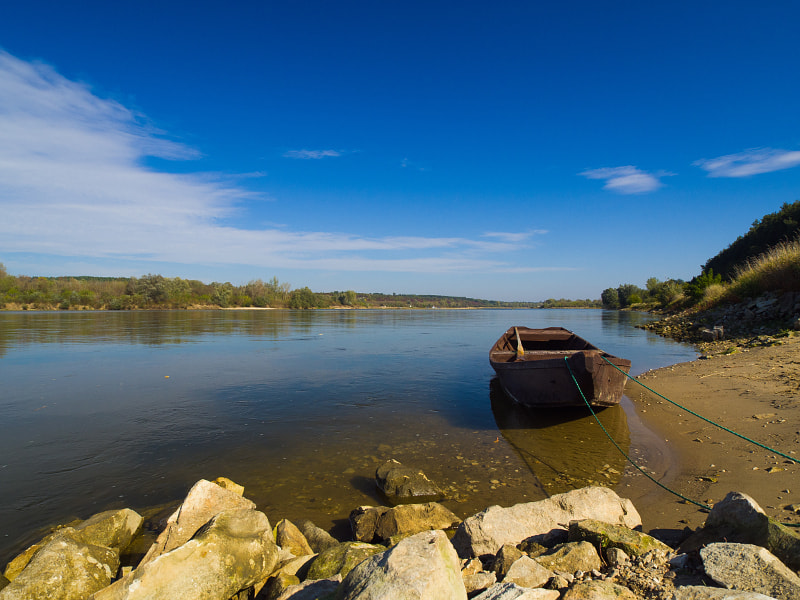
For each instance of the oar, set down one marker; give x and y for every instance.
(520, 349)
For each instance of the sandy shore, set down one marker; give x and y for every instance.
(755, 392)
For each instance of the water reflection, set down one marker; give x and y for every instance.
(566, 448)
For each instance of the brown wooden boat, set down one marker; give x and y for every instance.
(531, 368)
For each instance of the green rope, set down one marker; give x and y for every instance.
(739, 435)
(621, 451)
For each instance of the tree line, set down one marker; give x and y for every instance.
(158, 292)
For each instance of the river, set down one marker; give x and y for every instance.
(109, 409)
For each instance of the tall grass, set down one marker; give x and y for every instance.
(776, 269)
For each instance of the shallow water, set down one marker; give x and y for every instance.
(111, 409)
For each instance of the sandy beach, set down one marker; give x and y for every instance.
(754, 392)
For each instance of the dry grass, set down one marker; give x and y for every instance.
(776, 269)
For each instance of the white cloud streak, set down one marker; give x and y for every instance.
(312, 154)
(73, 184)
(750, 162)
(626, 180)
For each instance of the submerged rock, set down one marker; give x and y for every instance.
(400, 483)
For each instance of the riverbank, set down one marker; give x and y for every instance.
(751, 390)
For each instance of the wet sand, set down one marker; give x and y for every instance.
(754, 392)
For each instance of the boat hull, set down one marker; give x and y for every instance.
(541, 377)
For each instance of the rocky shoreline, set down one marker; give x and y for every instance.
(586, 543)
(751, 323)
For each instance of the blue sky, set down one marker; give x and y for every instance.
(505, 150)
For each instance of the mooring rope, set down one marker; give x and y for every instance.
(621, 451)
(731, 431)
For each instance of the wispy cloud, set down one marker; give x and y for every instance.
(514, 237)
(312, 154)
(73, 184)
(627, 179)
(750, 162)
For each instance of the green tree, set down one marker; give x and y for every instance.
(610, 298)
(302, 298)
(697, 286)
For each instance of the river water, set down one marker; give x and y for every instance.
(103, 410)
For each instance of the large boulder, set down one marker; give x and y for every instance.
(112, 529)
(542, 521)
(750, 568)
(739, 518)
(424, 565)
(204, 501)
(233, 552)
(403, 484)
(64, 568)
(605, 536)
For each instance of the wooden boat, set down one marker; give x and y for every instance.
(531, 368)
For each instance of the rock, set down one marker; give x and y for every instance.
(699, 592)
(598, 590)
(114, 529)
(408, 519)
(401, 483)
(605, 536)
(526, 572)
(739, 518)
(571, 557)
(318, 538)
(511, 591)
(750, 568)
(276, 585)
(234, 551)
(229, 485)
(487, 531)
(476, 582)
(290, 538)
(341, 559)
(616, 557)
(290, 572)
(505, 557)
(64, 568)
(319, 589)
(3, 581)
(364, 522)
(204, 501)
(424, 565)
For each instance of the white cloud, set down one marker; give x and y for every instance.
(312, 154)
(73, 184)
(514, 237)
(750, 162)
(626, 180)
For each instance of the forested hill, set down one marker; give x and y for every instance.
(780, 226)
